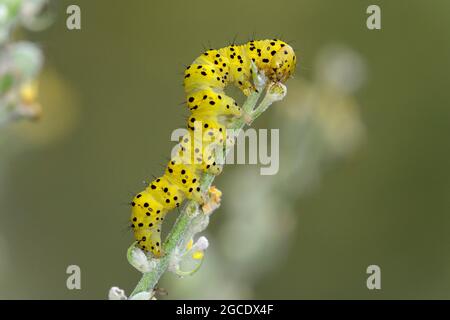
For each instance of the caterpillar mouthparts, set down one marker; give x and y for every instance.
(212, 111)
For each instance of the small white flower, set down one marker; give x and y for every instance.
(33, 15)
(189, 256)
(201, 244)
(276, 92)
(341, 68)
(29, 9)
(23, 59)
(115, 293)
(139, 260)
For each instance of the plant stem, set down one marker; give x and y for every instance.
(150, 279)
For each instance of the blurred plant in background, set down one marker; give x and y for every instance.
(21, 73)
(320, 125)
(20, 65)
(20, 62)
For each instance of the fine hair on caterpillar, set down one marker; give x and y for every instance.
(212, 112)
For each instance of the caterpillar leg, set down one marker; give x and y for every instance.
(147, 215)
(149, 239)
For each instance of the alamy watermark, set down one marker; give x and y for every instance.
(248, 146)
(73, 21)
(373, 21)
(374, 280)
(74, 279)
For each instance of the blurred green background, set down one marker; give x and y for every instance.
(111, 95)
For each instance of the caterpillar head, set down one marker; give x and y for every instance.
(282, 64)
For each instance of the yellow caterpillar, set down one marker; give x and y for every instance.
(211, 113)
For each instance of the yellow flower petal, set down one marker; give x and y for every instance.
(189, 245)
(198, 255)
